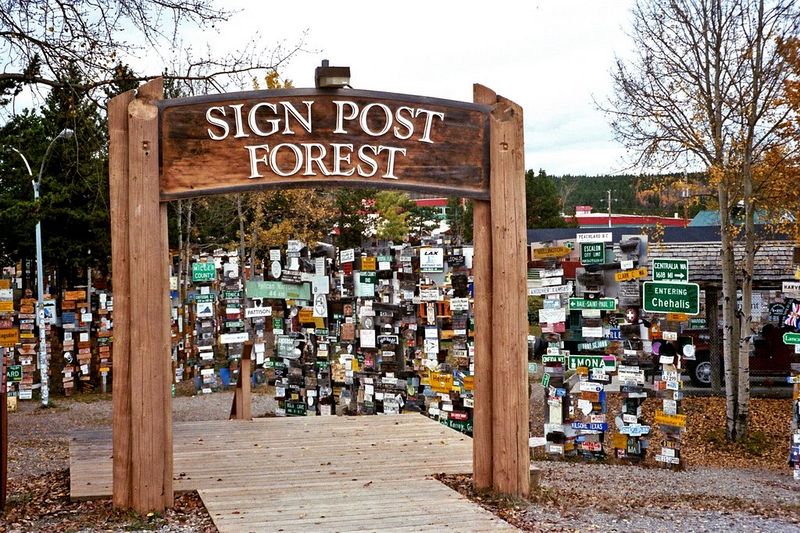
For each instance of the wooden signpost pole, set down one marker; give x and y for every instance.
(510, 468)
(482, 270)
(142, 404)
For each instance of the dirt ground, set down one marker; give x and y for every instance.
(742, 487)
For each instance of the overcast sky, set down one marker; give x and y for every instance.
(550, 56)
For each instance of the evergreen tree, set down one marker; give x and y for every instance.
(543, 204)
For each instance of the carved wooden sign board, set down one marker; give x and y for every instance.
(306, 138)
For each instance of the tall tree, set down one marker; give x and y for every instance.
(392, 208)
(543, 201)
(704, 85)
(352, 208)
(40, 40)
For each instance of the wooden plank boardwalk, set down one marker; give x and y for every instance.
(309, 473)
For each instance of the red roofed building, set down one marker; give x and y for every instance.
(586, 219)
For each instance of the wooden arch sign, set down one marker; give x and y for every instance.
(166, 149)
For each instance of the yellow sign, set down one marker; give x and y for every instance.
(9, 337)
(620, 441)
(670, 420)
(797, 273)
(469, 382)
(441, 382)
(5, 283)
(6, 307)
(677, 317)
(551, 252)
(369, 263)
(627, 275)
(306, 315)
(74, 295)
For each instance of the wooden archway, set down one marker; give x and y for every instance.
(166, 149)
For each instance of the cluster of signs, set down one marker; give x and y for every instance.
(357, 331)
(87, 339)
(594, 298)
(791, 319)
(81, 329)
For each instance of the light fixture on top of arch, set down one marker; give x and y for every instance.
(328, 77)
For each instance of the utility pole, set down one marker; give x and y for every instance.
(609, 207)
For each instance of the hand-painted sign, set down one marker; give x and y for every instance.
(667, 297)
(603, 304)
(307, 137)
(9, 337)
(670, 420)
(552, 252)
(670, 270)
(204, 272)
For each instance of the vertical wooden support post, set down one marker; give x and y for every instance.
(510, 408)
(241, 408)
(142, 398)
(120, 270)
(3, 431)
(482, 269)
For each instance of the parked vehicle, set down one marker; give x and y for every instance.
(769, 356)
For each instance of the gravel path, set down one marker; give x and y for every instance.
(574, 496)
(630, 498)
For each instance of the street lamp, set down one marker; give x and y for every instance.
(45, 390)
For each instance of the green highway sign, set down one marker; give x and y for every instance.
(277, 290)
(14, 373)
(671, 270)
(791, 338)
(209, 298)
(593, 253)
(603, 304)
(671, 297)
(204, 272)
(590, 361)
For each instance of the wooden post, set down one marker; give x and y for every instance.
(510, 407)
(3, 431)
(241, 407)
(142, 397)
(482, 269)
(120, 228)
